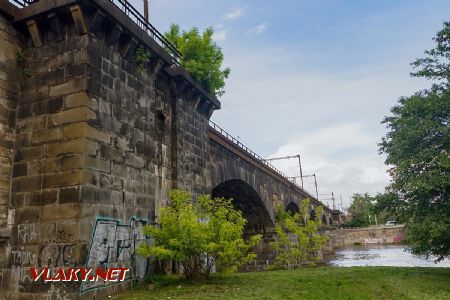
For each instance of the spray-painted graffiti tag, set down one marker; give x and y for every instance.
(114, 245)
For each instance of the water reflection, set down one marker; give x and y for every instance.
(381, 255)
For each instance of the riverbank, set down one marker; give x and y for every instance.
(308, 283)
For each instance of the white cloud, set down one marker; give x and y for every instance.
(343, 157)
(331, 119)
(219, 35)
(234, 14)
(258, 28)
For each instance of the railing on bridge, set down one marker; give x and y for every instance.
(245, 148)
(23, 3)
(255, 156)
(132, 13)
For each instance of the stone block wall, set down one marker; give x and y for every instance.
(92, 155)
(361, 236)
(192, 147)
(56, 156)
(10, 47)
(90, 147)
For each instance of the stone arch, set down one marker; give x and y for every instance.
(246, 199)
(292, 208)
(324, 220)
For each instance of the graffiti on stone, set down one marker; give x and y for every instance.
(114, 245)
(58, 255)
(23, 257)
(27, 233)
(35, 232)
(56, 294)
(19, 277)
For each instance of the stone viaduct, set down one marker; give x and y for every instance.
(91, 143)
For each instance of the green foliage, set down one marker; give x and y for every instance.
(385, 208)
(361, 211)
(417, 146)
(380, 283)
(142, 58)
(436, 64)
(201, 57)
(199, 235)
(21, 60)
(298, 239)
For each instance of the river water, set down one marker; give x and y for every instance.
(381, 255)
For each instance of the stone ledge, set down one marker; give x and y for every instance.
(39, 9)
(177, 71)
(8, 9)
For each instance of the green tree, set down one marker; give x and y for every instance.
(385, 209)
(297, 239)
(201, 56)
(361, 211)
(436, 64)
(199, 235)
(417, 146)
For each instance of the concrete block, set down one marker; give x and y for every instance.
(83, 129)
(80, 99)
(46, 135)
(62, 211)
(27, 215)
(69, 87)
(70, 194)
(77, 114)
(41, 198)
(111, 153)
(134, 160)
(76, 146)
(26, 184)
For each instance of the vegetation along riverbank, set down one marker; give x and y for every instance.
(308, 283)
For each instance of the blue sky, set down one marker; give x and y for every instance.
(314, 77)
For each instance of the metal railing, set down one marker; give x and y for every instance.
(131, 12)
(245, 148)
(23, 3)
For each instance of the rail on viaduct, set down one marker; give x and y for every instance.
(90, 144)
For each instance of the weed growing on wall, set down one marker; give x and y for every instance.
(142, 58)
(21, 60)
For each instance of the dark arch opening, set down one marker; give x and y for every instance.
(292, 208)
(312, 214)
(247, 200)
(324, 220)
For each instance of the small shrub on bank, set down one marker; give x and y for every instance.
(298, 238)
(199, 235)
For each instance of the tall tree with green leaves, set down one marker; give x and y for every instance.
(361, 211)
(201, 56)
(417, 146)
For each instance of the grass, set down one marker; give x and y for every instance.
(309, 283)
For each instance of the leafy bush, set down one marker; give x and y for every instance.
(199, 235)
(200, 56)
(142, 58)
(298, 237)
